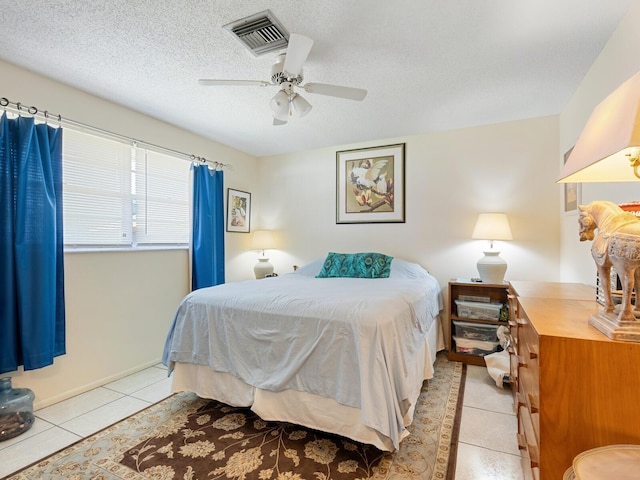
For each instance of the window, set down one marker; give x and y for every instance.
(119, 195)
(160, 200)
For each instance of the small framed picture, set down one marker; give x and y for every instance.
(238, 211)
(370, 185)
(572, 192)
(572, 197)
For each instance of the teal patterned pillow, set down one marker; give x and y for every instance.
(356, 265)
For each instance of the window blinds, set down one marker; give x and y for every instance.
(118, 195)
(160, 201)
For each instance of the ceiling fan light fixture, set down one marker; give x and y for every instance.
(280, 105)
(301, 106)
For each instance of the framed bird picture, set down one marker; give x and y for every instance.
(370, 185)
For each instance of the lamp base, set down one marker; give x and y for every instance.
(262, 268)
(623, 330)
(492, 267)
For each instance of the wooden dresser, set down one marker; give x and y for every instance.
(575, 389)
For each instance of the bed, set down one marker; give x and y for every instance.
(342, 355)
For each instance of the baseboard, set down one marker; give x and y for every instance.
(37, 405)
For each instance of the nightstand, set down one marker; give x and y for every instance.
(476, 310)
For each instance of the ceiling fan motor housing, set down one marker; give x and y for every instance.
(279, 76)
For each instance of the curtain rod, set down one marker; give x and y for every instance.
(19, 109)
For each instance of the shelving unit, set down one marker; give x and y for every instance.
(457, 288)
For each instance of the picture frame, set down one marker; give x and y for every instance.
(572, 192)
(238, 211)
(572, 197)
(370, 185)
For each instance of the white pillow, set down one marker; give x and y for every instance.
(399, 269)
(311, 269)
(403, 269)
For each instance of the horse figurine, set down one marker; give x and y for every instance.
(616, 244)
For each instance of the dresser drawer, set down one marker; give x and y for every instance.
(512, 301)
(529, 374)
(527, 439)
(513, 370)
(527, 337)
(528, 472)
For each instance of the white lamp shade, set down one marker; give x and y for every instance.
(280, 105)
(612, 131)
(262, 240)
(301, 105)
(492, 226)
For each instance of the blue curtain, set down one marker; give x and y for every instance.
(32, 314)
(207, 260)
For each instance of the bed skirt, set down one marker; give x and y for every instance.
(301, 408)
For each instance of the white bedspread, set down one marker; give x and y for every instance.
(352, 340)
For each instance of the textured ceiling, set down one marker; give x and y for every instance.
(428, 65)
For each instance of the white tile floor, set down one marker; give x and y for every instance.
(487, 444)
(487, 449)
(66, 422)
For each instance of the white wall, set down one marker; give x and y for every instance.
(618, 61)
(119, 304)
(451, 177)
(118, 309)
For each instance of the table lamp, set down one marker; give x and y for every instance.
(492, 226)
(262, 240)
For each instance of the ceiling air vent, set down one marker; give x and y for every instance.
(260, 33)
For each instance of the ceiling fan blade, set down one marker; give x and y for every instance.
(297, 52)
(277, 121)
(208, 82)
(336, 91)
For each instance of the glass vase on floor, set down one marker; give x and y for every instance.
(16, 409)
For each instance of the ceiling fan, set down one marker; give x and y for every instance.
(286, 73)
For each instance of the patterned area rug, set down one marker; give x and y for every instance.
(188, 438)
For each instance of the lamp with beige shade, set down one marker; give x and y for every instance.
(492, 226)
